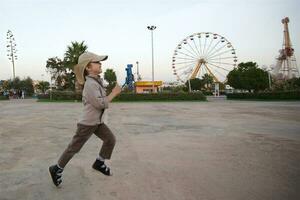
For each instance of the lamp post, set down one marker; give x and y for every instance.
(51, 88)
(138, 72)
(11, 50)
(50, 84)
(190, 88)
(152, 28)
(268, 70)
(269, 76)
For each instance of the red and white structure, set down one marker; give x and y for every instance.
(286, 65)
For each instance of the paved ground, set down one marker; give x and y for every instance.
(199, 150)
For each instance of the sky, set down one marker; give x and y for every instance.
(118, 28)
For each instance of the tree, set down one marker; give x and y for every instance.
(248, 76)
(71, 58)
(111, 78)
(286, 85)
(17, 84)
(61, 70)
(207, 80)
(196, 84)
(55, 66)
(199, 84)
(27, 86)
(5, 85)
(43, 86)
(73, 52)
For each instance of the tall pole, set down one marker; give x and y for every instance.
(50, 87)
(287, 40)
(152, 28)
(12, 59)
(268, 70)
(269, 76)
(190, 88)
(11, 49)
(152, 61)
(138, 71)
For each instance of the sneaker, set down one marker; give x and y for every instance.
(101, 167)
(56, 174)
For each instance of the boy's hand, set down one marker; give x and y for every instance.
(117, 89)
(115, 92)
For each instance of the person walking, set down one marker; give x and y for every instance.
(23, 94)
(95, 102)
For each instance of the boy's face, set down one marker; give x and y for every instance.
(94, 68)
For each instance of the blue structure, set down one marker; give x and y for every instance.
(129, 77)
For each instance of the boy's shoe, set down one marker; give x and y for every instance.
(56, 174)
(101, 167)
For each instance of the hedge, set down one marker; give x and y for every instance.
(61, 95)
(70, 95)
(4, 98)
(161, 97)
(279, 95)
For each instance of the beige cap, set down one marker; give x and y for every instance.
(83, 60)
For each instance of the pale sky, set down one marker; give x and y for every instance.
(44, 28)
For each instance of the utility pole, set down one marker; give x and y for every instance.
(152, 28)
(11, 50)
(138, 72)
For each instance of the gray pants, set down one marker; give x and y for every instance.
(83, 133)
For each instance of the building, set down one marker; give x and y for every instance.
(146, 86)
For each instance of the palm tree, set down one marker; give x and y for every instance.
(73, 52)
(71, 58)
(111, 78)
(207, 80)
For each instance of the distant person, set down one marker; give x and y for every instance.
(23, 94)
(14, 94)
(95, 103)
(6, 94)
(11, 94)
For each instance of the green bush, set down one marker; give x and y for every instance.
(207, 93)
(4, 97)
(279, 95)
(43, 96)
(70, 95)
(161, 97)
(61, 95)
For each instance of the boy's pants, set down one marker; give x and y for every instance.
(83, 133)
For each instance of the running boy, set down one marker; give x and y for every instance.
(95, 102)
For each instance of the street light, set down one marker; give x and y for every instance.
(190, 88)
(11, 50)
(138, 73)
(269, 73)
(269, 76)
(152, 28)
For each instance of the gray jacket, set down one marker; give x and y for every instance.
(94, 100)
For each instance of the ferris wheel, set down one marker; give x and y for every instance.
(203, 53)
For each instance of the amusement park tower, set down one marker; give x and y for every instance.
(286, 66)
